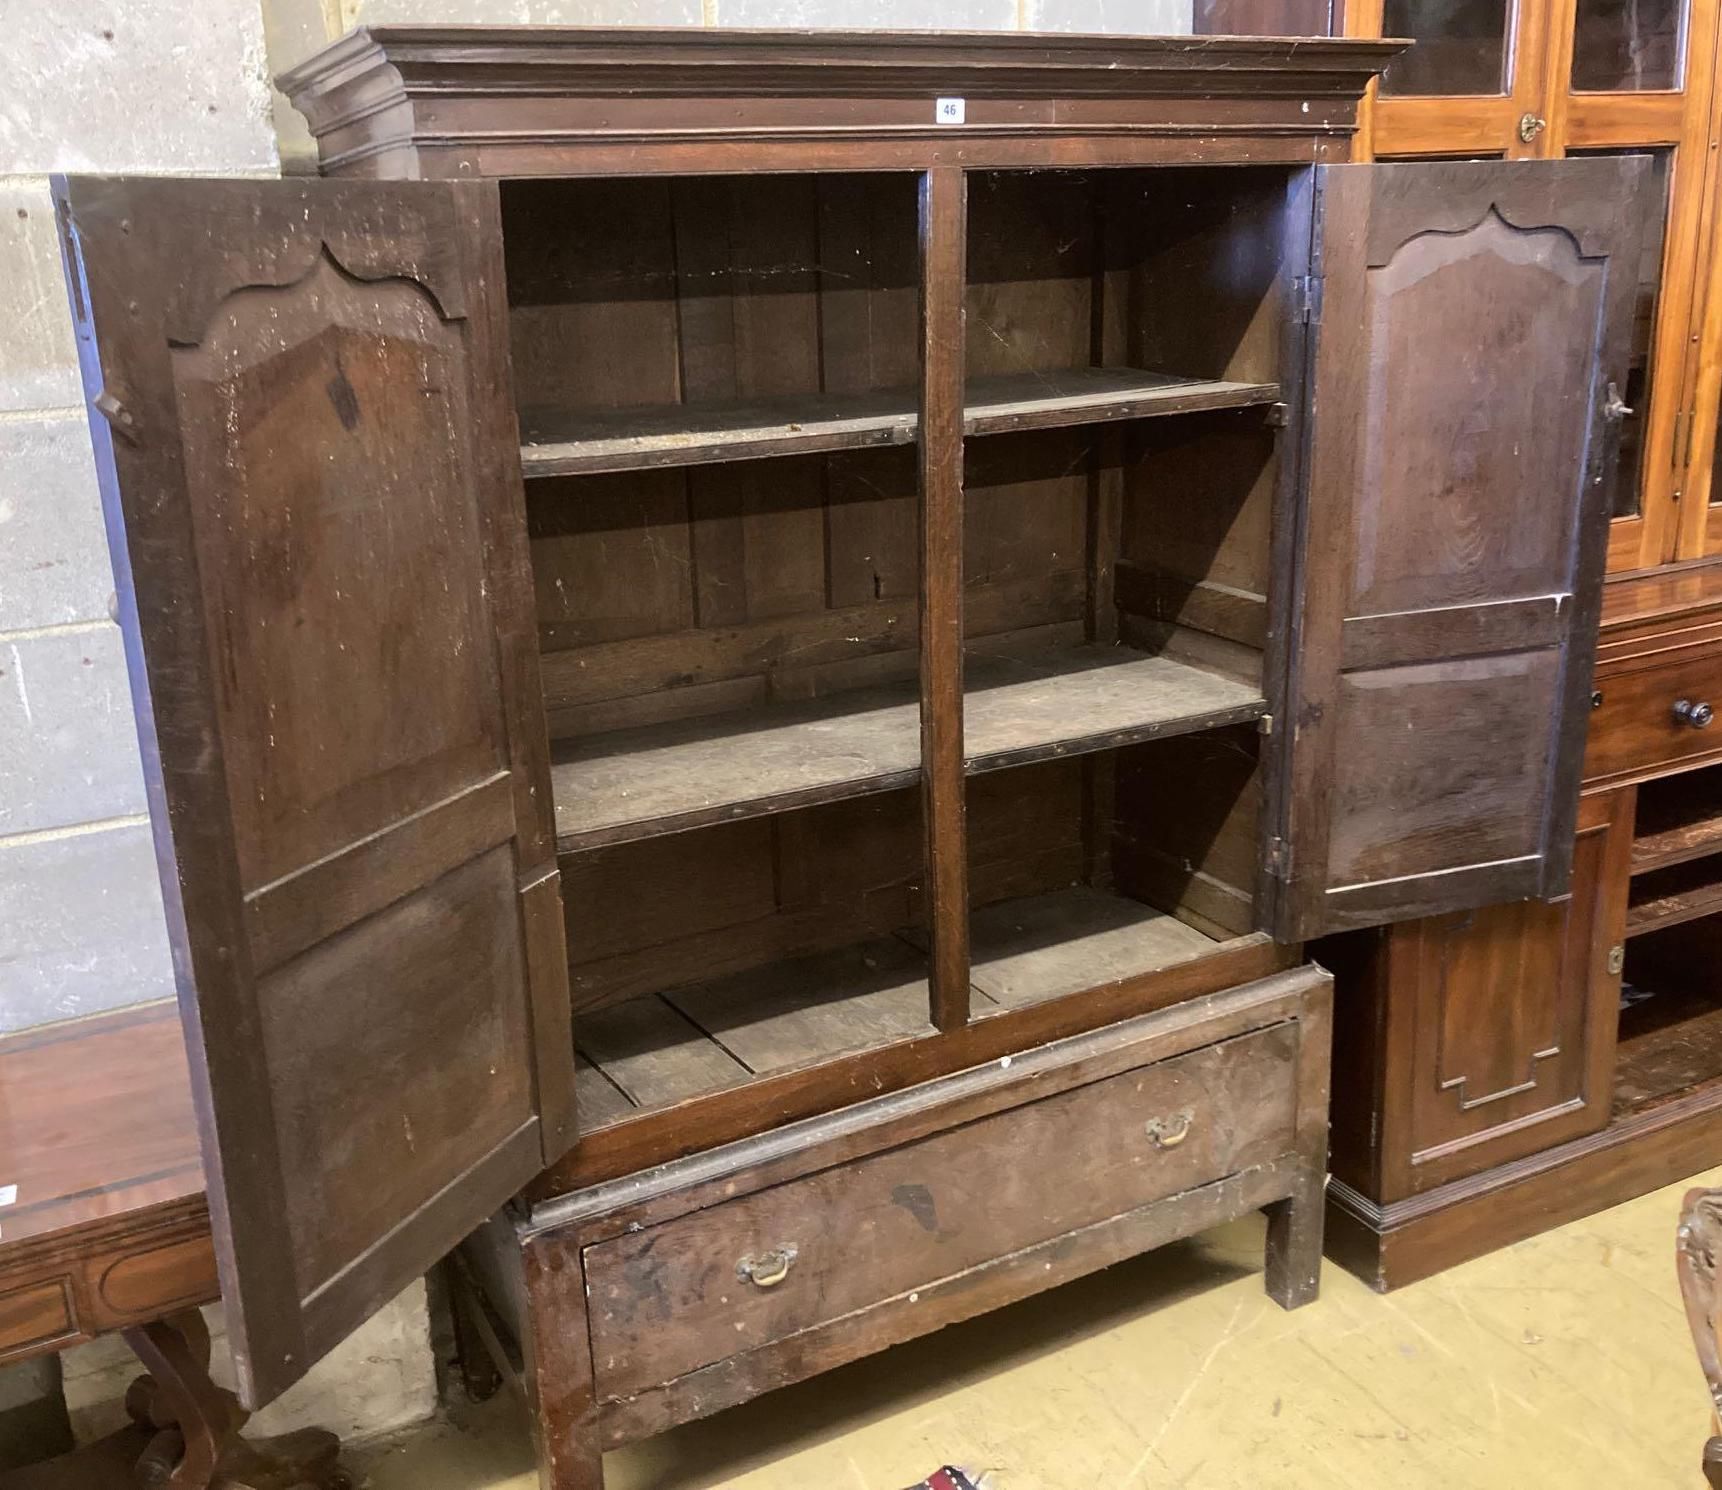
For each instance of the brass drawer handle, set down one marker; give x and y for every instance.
(1693, 714)
(768, 1270)
(1168, 1133)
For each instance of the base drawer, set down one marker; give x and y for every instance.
(681, 1295)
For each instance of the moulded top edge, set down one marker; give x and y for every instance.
(473, 48)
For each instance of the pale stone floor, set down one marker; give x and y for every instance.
(1562, 1362)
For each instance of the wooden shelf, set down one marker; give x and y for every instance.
(1666, 897)
(1670, 1044)
(1047, 946)
(655, 1052)
(586, 442)
(1679, 818)
(684, 774)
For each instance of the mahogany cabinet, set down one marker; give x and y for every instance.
(732, 628)
(1595, 1024)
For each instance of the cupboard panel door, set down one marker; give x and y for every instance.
(300, 404)
(1470, 340)
(1512, 1021)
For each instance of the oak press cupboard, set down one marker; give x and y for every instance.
(756, 651)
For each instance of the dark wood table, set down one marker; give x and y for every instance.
(105, 1227)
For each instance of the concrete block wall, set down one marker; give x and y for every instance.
(126, 85)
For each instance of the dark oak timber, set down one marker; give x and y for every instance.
(425, 101)
(559, 444)
(307, 427)
(739, 1234)
(944, 239)
(790, 609)
(1398, 805)
(1016, 710)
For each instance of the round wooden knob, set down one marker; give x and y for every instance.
(1694, 713)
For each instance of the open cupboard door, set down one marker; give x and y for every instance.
(1470, 336)
(301, 410)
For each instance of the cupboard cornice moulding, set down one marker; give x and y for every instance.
(473, 100)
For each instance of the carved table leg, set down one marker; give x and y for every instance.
(1698, 1259)
(186, 1433)
(196, 1443)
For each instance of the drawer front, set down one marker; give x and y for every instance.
(674, 1297)
(1636, 728)
(35, 1316)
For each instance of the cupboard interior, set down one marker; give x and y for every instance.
(1670, 1039)
(703, 960)
(718, 384)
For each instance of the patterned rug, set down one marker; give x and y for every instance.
(952, 1478)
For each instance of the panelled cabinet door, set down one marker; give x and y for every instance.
(301, 409)
(1470, 339)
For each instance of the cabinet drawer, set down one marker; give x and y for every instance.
(689, 1292)
(1635, 728)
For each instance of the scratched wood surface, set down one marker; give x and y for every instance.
(809, 1009)
(567, 442)
(688, 773)
(348, 785)
(1043, 1169)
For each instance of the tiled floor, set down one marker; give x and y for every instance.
(1563, 1363)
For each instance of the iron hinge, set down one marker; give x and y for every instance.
(1279, 858)
(120, 418)
(1308, 301)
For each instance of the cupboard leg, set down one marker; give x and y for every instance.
(1294, 1244)
(574, 1468)
(558, 1353)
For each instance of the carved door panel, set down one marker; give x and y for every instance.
(1508, 1017)
(301, 409)
(1472, 332)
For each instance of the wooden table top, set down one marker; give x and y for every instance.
(95, 1121)
(108, 1225)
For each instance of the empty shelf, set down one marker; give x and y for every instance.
(584, 442)
(1046, 946)
(654, 1052)
(1679, 818)
(690, 773)
(1667, 897)
(1669, 1044)
(657, 1051)
(1019, 710)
